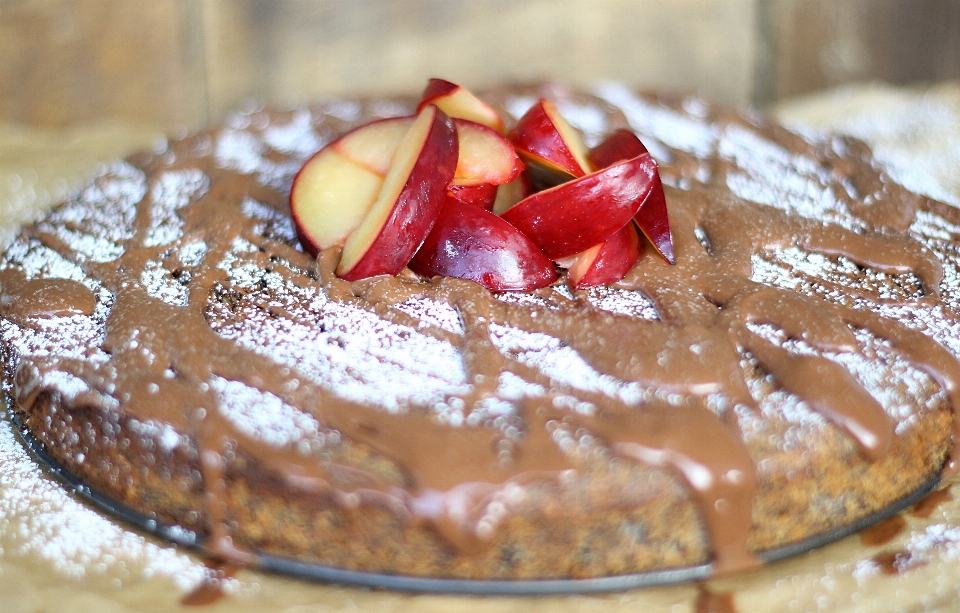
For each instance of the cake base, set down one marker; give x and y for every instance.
(521, 587)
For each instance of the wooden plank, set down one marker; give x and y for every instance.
(299, 49)
(74, 61)
(816, 44)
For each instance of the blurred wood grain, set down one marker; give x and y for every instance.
(187, 62)
(816, 44)
(298, 48)
(71, 61)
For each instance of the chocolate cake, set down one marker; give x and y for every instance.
(166, 338)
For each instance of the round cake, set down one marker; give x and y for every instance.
(167, 340)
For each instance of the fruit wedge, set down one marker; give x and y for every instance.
(652, 217)
(330, 197)
(407, 205)
(605, 263)
(577, 215)
(471, 243)
(546, 141)
(457, 102)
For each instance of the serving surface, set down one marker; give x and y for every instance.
(257, 278)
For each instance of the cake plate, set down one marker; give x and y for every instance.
(523, 587)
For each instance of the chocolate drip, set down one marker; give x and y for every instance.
(831, 390)
(21, 298)
(929, 504)
(694, 443)
(164, 357)
(713, 602)
(884, 532)
(897, 562)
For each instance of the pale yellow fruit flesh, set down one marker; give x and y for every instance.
(359, 242)
(331, 197)
(578, 264)
(464, 105)
(373, 146)
(508, 195)
(484, 158)
(570, 136)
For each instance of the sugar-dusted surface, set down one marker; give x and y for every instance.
(830, 582)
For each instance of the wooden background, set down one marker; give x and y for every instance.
(170, 63)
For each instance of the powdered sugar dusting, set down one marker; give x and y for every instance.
(161, 284)
(276, 225)
(435, 313)
(770, 175)
(172, 191)
(38, 260)
(356, 355)
(624, 302)
(296, 138)
(247, 153)
(100, 218)
(262, 415)
(39, 519)
(560, 363)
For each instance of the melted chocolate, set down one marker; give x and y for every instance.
(930, 502)
(163, 352)
(883, 532)
(713, 602)
(44, 298)
(211, 587)
(897, 562)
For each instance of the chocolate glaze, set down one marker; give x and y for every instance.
(43, 298)
(713, 602)
(211, 587)
(929, 504)
(897, 562)
(163, 353)
(883, 532)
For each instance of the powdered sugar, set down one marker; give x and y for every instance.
(769, 174)
(262, 415)
(170, 192)
(39, 519)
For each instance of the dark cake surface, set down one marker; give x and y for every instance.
(165, 337)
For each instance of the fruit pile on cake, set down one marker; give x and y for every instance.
(451, 197)
(460, 336)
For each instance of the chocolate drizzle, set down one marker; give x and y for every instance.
(168, 343)
(43, 298)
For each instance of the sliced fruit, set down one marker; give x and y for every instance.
(485, 155)
(509, 194)
(607, 262)
(330, 197)
(373, 145)
(457, 102)
(545, 140)
(653, 221)
(482, 196)
(471, 243)
(577, 215)
(652, 217)
(486, 158)
(409, 201)
(619, 145)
